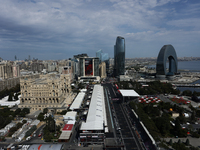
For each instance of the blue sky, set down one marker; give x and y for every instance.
(59, 29)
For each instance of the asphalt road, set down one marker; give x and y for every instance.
(124, 127)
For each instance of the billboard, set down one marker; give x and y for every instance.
(88, 67)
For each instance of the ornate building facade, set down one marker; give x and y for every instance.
(9, 75)
(6, 71)
(47, 91)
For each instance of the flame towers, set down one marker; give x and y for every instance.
(119, 56)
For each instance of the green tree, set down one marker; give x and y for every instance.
(13, 129)
(45, 110)
(10, 97)
(41, 117)
(19, 125)
(22, 114)
(190, 127)
(179, 141)
(187, 93)
(51, 124)
(24, 121)
(47, 137)
(17, 111)
(58, 128)
(187, 142)
(181, 119)
(193, 118)
(26, 110)
(198, 113)
(170, 142)
(195, 135)
(16, 97)
(163, 124)
(177, 128)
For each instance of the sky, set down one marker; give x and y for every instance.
(59, 29)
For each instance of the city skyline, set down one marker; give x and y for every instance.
(58, 30)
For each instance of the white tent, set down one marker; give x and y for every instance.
(130, 93)
(71, 115)
(96, 117)
(77, 102)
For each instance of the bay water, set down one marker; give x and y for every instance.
(186, 66)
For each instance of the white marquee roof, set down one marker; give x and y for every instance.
(96, 114)
(65, 135)
(70, 115)
(77, 102)
(130, 93)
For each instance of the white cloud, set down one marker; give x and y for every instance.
(188, 22)
(93, 24)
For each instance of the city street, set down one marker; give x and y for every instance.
(123, 126)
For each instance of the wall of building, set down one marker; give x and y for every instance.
(6, 71)
(9, 83)
(102, 70)
(46, 91)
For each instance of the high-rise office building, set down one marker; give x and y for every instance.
(102, 70)
(75, 64)
(105, 58)
(98, 54)
(89, 66)
(119, 56)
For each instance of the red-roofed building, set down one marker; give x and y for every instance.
(66, 133)
(68, 127)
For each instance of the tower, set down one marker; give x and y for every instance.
(119, 56)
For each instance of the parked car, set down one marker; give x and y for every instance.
(40, 134)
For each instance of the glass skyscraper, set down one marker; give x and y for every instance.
(98, 54)
(119, 56)
(105, 58)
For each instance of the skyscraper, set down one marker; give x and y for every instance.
(98, 54)
(119, 56)
(105, 58)
(89, 66)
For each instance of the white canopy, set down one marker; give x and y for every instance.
(65, 135)
(70, 115)
(130, 93)
(96, 115)
(77, 102)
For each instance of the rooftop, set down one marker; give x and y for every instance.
(130, 93)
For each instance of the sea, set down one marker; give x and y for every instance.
(192, 66)
(186, 66)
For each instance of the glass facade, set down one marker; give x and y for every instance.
(105, 58)
(167, 52)
(98, 54)
(81, 70)
(89, 66)
(119, 56)
(96, 66)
